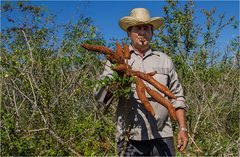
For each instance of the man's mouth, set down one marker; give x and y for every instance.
(142, 40)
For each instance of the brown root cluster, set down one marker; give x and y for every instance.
(120, 57)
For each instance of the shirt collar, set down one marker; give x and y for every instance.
(148, 53)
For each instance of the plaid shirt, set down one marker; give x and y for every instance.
(131, 114)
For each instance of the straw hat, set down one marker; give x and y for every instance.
(139, 16)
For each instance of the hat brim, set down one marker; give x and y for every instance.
(128, 21)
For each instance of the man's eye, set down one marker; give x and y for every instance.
(146, 28)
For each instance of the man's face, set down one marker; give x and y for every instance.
(141, 36)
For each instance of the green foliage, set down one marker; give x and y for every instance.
(97, 137)
(46, 108)
(119, 85)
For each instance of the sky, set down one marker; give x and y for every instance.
(106, 14)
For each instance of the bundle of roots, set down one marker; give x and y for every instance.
(120, 59)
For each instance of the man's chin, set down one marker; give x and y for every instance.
(143, 45)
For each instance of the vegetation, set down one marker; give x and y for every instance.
(47, 104)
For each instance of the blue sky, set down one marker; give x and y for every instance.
(106, 14)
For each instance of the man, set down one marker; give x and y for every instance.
(138, 132)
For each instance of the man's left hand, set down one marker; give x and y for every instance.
(182, 140)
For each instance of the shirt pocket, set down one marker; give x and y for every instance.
(162, 75)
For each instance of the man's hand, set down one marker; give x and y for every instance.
(182, 140)
(182, 134)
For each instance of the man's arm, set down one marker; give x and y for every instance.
(180, 106)
(102, 94)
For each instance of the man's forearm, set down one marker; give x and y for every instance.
(181, 118)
